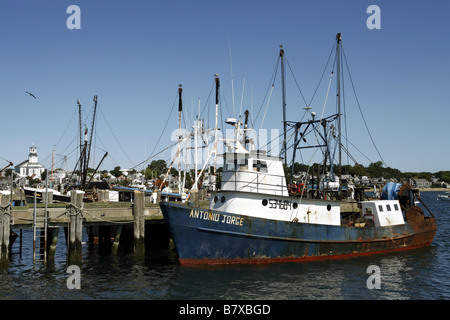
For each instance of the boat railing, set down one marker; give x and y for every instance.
(256, 183)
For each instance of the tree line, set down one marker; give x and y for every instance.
(377, 170)
(373, 170)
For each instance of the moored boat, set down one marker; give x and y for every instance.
(444, 197)
(257, 217)
(252, 219)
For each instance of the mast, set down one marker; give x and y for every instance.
(246, 140)
(214, 150)
(283, 102)
(81, 133)
(196, 128)
(85, 150)
(83, 161)
(180, 109)
(90, 140)
(53, 161)
(217, 123)
(338, 95)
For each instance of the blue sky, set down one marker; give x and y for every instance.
(133, 55)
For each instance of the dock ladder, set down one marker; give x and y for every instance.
(40, 219)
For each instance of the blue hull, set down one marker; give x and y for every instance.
(212, 237)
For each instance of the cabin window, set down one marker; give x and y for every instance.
(388, 207)
(396, 207)
(231, 166)
(236, 162)
(244, 166)
(261, 166)
(380, 208)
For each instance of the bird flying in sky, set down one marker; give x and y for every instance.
(31, 94)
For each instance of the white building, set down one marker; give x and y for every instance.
(31, 167)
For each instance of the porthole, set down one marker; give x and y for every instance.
(216, 198)
(265, 202)
(329, 207)
(222, 199)
(295, 205)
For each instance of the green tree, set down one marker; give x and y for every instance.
(155, 168)
(116, 172)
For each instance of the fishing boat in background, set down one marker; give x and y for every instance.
(256, 217)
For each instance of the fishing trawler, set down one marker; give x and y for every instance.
(257, 217)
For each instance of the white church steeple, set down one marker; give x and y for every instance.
(32, 156)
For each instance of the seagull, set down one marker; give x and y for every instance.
(31, 94)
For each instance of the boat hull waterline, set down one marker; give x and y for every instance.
(203, 236)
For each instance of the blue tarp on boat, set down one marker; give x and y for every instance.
(390, 191)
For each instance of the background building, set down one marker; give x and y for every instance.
(31, 167)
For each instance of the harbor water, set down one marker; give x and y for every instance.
(421, 274)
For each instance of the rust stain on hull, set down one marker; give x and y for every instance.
(258, 241)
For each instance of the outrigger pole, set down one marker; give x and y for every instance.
(283, 91)
(338, 96)
(195, 186)
(180, 109)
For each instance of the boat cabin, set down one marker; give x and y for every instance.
(254, 184)
(254, 171)
(383, 212)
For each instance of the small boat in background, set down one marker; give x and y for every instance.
(444, 197)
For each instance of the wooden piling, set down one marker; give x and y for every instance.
(5, 214)
(75, 226)
(52, 240)
(115, 244)
(139, 223)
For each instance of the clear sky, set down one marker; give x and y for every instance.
(133, 55)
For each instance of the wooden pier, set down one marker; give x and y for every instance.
(112, 226)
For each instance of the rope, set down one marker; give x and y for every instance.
(4, 208)
(77, 210)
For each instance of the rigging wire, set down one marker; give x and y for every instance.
(295, 80)
(345, 112)
(101, 112)
(321, 77)
(207, 100)
(271, 84)
(160, 136)
(267, 106)
(359, 106)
